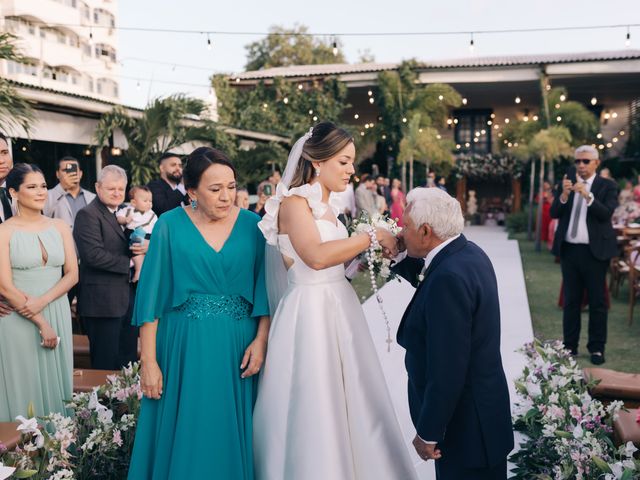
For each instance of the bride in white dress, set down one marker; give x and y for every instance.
(323, 411)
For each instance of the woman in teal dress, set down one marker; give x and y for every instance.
(203, 311)
(38, 267)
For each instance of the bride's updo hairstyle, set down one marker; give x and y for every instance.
(327, 140)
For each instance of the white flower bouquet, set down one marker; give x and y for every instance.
(373, 257)
(568, 433)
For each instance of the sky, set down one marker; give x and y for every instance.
(159, 64)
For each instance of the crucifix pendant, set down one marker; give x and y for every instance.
(389, 342)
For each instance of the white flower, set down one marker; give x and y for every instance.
(385, 272)
(630, 449)
(554, 398)
(30, 426)
(64, 474)
(534, 389)
(578, 432)
(616, 470)
(6, 472)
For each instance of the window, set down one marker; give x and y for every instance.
(103, 50)
(104, 18)
(15, 68)
(472, 132)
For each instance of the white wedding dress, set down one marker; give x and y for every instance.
(323, 410)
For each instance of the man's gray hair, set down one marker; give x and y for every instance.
(111, 170)
(587, 149)
(436, 208)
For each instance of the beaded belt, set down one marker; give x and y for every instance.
(200, 305)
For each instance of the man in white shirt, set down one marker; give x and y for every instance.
(585, 242)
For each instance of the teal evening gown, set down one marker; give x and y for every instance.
(30, 373)
(208, 303)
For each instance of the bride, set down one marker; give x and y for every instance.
(323, 410)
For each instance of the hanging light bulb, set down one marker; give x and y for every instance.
(440, 97)
(310, 112)
(518, 100)
(535, 118)
(627, 42)
(335, 48)
(472, 46)
(404, 119)
(356, 116)
(558, 118)
(464, 101)
(594, 100)
(371, 100)
(563, 97)
(300, 87)
(285, 100)
(599, 135)
(369, 93)
(315, 119)
(209, 46)
(138, 85)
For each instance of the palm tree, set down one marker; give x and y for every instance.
(422, 144)
(166, 123)
(15, 111)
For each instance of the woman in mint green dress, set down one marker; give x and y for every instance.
(203, 311)
(38, 267)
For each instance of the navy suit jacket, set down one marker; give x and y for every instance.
(458, 394)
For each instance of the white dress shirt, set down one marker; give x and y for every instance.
(4, 185)
(582, 234)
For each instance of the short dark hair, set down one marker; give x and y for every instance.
(17, 174)
(138, 188)
(365, 177)
(67, 158)
(166, 155)
(200, 160)
(3, 137)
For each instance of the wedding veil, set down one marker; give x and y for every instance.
(275, 271)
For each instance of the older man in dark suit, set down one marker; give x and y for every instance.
(585, 242)
(106, 294)
(458, 394)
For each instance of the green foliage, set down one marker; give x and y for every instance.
(280, 107)
(517, 222)
(577, 126)
(166, 123)
(15, 111)
(253, 166)
(291, 46)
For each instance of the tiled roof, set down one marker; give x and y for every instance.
(471, 62)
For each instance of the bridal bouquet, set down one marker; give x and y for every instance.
(374, 259)
(373, 256)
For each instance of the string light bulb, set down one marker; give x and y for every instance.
(563, 97)
(356, 116)
(594, 100)
(472, 45)
(627, 42)
(370, 93)
(371, 100)
(404, 119)
(285, 100)
(335, 48)
(464, 101)
(440, 97)
(209, 46)
(518, 100)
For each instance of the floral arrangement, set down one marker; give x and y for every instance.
(484, 166)
(95, 442)
(373, 258)
(568, 433)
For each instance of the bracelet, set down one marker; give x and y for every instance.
(373, 238)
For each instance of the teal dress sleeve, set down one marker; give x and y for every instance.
(260, 299)
(155, 287)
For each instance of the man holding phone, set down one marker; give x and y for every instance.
(585, 242)
(67, 197)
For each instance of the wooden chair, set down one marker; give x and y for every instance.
(626, 428)
(81, 357)
(614, 385)
(84, 380)
(9, 436)
(634, 279)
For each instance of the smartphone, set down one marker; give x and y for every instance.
(267, 190)
(71, 168)
(571, 174)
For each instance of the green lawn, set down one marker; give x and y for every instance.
(543, 280)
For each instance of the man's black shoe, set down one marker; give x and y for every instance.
(597, 358)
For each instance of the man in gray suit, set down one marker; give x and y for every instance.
(67, 197)
(366, 196)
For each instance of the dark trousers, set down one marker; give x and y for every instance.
(452, 470)
(113, 341)
(582, 271)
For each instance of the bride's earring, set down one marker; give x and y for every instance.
(317, 172)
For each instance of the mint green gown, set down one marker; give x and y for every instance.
(207, 303)
(30, 373)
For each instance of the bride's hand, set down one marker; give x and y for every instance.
(388, 242)
(254, 357)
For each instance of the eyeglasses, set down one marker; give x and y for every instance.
(584, 161)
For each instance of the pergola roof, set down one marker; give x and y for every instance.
(472, 62)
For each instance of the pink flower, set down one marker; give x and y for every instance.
(575, 412)
(117, 438)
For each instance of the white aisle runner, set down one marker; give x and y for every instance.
(515, 316)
